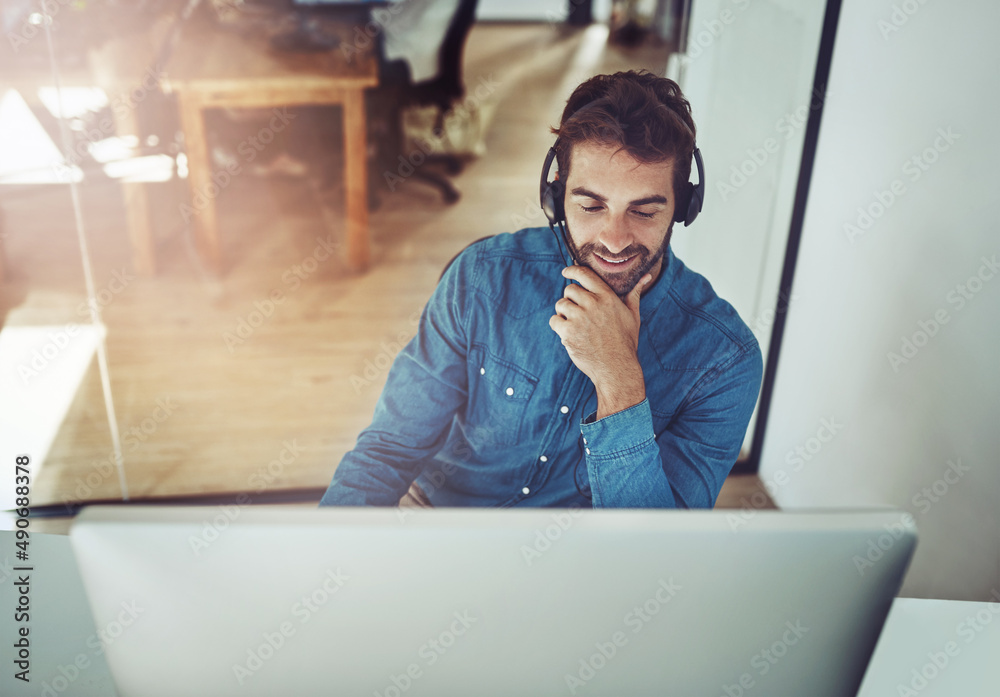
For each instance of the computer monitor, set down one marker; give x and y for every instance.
(392, 602)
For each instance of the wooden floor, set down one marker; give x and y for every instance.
(202, 414)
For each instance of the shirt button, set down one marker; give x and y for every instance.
(543, 458)
(564, 410)
(510, 391)
(588, 451)
(482, 371)
(584, 440)
(525, 490)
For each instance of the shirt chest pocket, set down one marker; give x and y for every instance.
(499, 392)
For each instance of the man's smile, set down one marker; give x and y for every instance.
(613, 264)
(617, 260)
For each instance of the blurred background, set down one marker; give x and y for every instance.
(220, 220)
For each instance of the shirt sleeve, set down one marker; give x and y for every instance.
(686, 463)
(427, 384)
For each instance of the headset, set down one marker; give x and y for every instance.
(552, 196)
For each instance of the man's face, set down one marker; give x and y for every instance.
(619, 213)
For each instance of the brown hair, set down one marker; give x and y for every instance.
(642, 113)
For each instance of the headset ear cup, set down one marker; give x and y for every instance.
(558, 192)
(682, 209)
(552, 202)
(550, 197)
(547, 206)
(694, 207)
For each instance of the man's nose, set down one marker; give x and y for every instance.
(616, 236)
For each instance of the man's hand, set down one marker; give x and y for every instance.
(601, 336)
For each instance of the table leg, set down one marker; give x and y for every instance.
(140, 230)
(356, 177)
(3, 259)
(115, 68)
(202, 211)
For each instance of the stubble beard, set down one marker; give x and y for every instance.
(622, 283)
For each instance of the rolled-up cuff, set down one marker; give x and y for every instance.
(618, 433)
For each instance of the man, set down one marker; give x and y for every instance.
(620, 380)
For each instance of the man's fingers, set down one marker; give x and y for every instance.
(560, 325)
(567, 308)
(578, 294)
(586, 278)
(632, 299)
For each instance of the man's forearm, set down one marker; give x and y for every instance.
(621, 390)
(362, 480)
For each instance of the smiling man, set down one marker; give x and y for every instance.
(612, 378)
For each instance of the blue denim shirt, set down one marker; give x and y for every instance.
(483, 407)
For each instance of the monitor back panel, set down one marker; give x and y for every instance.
(459, 602)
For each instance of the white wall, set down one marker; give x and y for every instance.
(748, 73)
(859, 293)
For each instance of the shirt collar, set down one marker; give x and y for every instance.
(655, 296)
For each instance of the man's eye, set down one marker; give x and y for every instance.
(592, 209)
(642, 214)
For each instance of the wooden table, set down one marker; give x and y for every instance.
(216, 68)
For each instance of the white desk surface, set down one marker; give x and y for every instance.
(937, 648)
